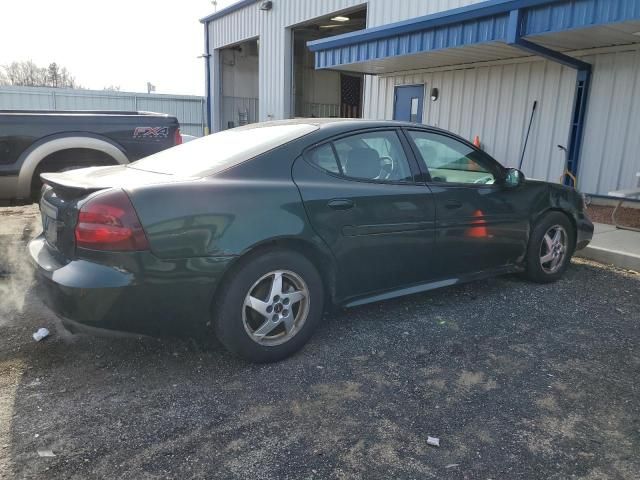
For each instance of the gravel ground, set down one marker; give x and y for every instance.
(517, 380)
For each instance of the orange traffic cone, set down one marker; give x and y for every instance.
(472, 165)
(479, 230)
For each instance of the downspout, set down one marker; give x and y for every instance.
(583, 82)
(207, 70)
(578, 121)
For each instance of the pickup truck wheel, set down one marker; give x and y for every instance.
(36, 183)
(65, 160)
(270, 306)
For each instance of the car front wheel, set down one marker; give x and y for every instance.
(550, 248)
(270, 306)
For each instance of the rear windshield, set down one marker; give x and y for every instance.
(217, 152)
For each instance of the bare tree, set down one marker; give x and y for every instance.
(28, 74)
(67, 80)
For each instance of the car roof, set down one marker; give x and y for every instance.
(338, 125)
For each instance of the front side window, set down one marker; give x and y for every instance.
(374, 155)
(451, 161)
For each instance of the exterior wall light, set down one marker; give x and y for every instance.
(266, 6)
(434, 94)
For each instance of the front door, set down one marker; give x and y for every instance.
(481, 225)
(409, 101)
(361, 198)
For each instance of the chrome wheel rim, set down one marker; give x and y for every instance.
(553, 250)
(275, 308)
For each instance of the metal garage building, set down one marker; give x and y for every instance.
(472, 67)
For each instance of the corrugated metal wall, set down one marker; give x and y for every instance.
(275, 46)
(275, 42)
(189, 110)
(495, 102)
(610, 155)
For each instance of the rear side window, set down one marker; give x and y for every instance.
(219, 151)
(324, 158)
(375, 156)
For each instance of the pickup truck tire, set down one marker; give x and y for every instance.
(65, 160)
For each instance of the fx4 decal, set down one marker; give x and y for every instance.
(151, 132)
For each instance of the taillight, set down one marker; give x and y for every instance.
(178, 137)
(109, 222)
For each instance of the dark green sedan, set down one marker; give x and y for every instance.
(250, 234)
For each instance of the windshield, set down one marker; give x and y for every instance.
(217, 152)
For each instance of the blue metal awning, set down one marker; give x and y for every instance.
(479, 32)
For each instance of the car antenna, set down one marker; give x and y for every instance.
(526, 140)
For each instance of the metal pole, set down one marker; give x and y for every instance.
(526, 140)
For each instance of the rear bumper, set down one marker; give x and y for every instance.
(584, 231)
(143, 294)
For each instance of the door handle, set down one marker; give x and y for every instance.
(340, 204)
(452, 204)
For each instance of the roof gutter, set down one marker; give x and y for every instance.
(226, 11)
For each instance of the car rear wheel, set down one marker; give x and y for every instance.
(550, 248)
(270, 306)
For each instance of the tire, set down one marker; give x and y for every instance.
(246, 331)
(37, 185)
(539, 248)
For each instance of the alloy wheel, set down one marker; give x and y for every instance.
(275, 308)
(553, 249)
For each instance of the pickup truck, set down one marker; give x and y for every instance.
(38, 141)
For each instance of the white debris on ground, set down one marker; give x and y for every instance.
(46, 452)
(433, 441)
(41, 334)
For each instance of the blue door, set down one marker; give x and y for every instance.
(408, 103)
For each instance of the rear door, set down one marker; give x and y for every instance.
(481, 225)
(360, 194)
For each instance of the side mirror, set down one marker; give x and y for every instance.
(514, 178)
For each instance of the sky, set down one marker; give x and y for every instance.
(116, 42)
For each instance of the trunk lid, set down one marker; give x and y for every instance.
(97, 178)
(64, 193)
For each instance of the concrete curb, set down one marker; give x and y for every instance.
(619, 259)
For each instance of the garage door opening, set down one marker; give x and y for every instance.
(324, 93)
(239, 78)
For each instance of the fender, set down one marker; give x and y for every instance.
(32, 157)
